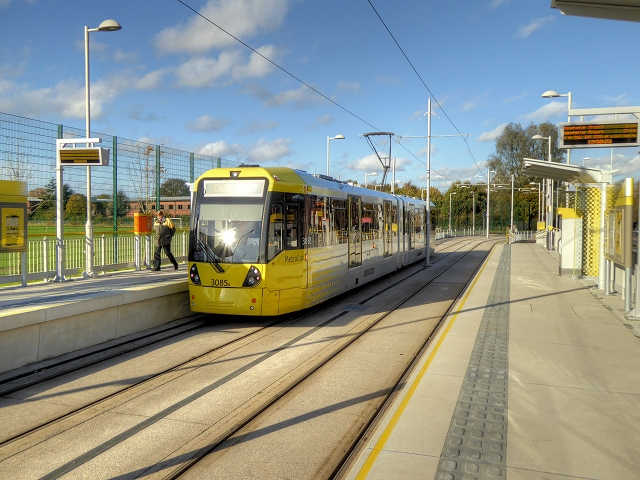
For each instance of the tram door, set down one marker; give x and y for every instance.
(387, 228)
(355, 237)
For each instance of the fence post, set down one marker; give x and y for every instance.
(102, 246)
(148, 251)
(45, 259)
(136, 250)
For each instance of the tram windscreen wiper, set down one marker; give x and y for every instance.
(209, 255)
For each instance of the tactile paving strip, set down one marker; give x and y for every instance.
(476, 445)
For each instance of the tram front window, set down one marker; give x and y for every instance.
(226, 232)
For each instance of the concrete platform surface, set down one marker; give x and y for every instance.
(534, 376)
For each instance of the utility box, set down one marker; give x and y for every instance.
(13, 216)
(570, 229)
(142, 223)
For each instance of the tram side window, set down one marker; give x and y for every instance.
(293, 221)
(275, 231)
(340, 229)
(370, 221)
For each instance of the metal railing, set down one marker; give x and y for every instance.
(111, 253)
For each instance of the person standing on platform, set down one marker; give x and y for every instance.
(165, 229)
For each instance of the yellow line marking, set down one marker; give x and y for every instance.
(368, 464)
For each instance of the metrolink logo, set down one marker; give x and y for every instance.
(295, 258)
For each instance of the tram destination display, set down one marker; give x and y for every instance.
(598, 134)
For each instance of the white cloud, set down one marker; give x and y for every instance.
(517, 97)
(547, 111)
(262, 151)
(492, 135)
(371, 163)
(150, 80)
(525, 31)
(241, 18)
(221, 149)
(121, 56)
(258, 126)
(206, 123)
(230, 65)
(353, 87)
(301, 97)
(469, 105)
(66, 99)
(324, 120)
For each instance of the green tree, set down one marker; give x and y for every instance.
(123, 204)
(76, 206)
(516, 143)
(174, 187)
(47, 195)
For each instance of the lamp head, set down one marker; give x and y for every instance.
(338, 137)
(109, 26)
(550, 94)
(538, 137)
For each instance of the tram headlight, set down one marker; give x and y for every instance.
(253, 278)
(194, 275)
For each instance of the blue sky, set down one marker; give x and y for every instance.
(171, 78)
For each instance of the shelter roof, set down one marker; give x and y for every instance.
(567, 173)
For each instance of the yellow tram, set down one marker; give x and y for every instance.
(269, 241)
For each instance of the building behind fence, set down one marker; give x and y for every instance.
(134, 181)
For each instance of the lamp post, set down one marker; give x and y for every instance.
(512, 180)
(554, 94)
(489, 172)
(450, 194)
(549, 194)
(106, 26)
(373, 174)
(337, 137)
(584, 159)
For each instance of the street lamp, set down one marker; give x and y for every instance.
(337, 137)
(554, 94)
(584, 159)
(106, 26)
(489, 172)
(373, 174)
(450, 194)
(549, 193)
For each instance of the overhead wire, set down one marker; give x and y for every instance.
(425, 85)
(276, 65)
(294, 76)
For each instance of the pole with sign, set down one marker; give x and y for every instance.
(68, 154)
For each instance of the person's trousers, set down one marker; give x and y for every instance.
(167, 252)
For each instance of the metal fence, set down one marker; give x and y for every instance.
(137, 171)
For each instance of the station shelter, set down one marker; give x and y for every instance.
(593, 224)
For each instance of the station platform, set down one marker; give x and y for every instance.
(533, 376)
(45, 320)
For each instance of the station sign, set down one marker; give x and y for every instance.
(81, 156)
(598, 134)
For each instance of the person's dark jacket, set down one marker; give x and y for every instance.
(164, 231)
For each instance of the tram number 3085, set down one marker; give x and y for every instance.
(220, 283)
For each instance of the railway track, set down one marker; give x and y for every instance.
(221, 397)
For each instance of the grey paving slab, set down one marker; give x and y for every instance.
(574, 431)
(574, 372)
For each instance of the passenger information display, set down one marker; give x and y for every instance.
(601, 134)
